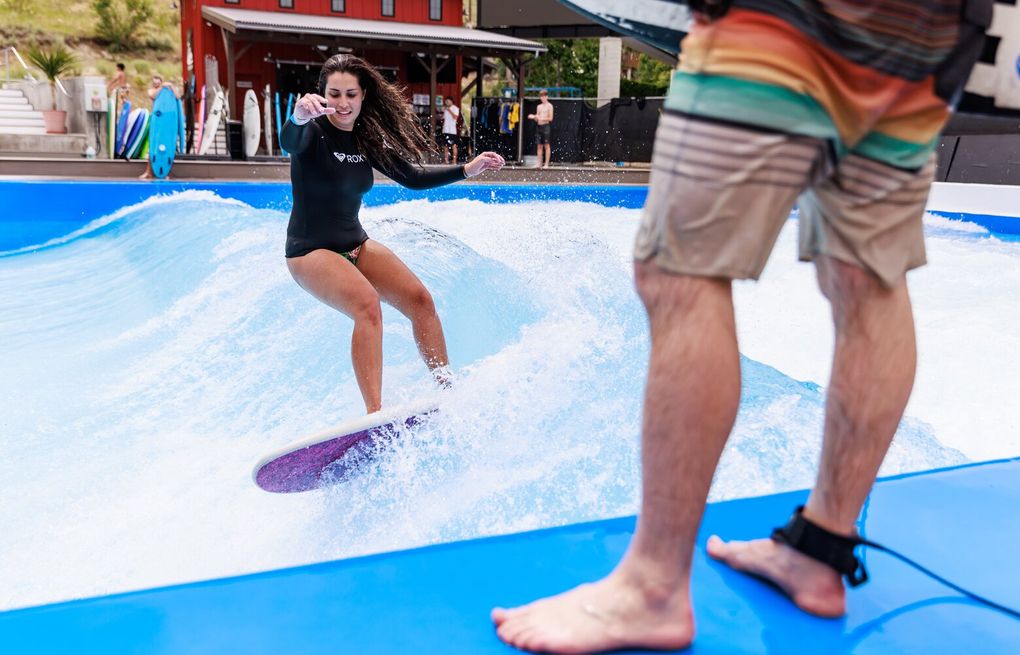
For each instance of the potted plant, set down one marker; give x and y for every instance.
(53, 63)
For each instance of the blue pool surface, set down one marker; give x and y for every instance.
(436, 599)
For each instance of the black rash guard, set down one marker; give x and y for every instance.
(329, 177)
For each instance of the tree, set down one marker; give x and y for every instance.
(53, 63)
(120, 21)
(570, 62)
(575, 62)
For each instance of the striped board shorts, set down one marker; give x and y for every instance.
(760, 116)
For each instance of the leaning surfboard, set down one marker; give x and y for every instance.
(121, 135)
(310, 462)
(111, 125)
(252, 125)
(212, 123)
(267, 114)
(164, 131)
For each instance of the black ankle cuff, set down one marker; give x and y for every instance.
(829, 548)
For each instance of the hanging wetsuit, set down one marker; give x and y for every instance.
(329, 176)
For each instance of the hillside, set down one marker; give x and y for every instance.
(24, 23)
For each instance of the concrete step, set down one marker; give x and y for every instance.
(26, 112)
(22, 121)
(72, 145)
(11, 101)
(11, 93)
(22, 129)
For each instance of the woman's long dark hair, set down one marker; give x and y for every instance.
(386, 128)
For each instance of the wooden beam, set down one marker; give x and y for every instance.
(228, 46)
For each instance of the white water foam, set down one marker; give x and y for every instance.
(152, 360)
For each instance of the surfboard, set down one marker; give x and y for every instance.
(164, 130)
(251, 124)
(199, 122)
(143, 151)
(310, 462)
(181, 134)
(111, 126)
(657, 23)
(131, 131)
(139, 130)
(212, 123)
(188, 116)
(267, 114)
(279, 122)
(122, 127)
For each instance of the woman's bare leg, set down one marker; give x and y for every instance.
(336, 282)
(398, 286)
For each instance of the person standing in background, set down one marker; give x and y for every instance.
(118, 82)
(543, 118)
(451, 115)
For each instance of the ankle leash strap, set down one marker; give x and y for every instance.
(829, 548)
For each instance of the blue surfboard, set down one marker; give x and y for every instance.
(122, 124)
(181, 135)
(138, 125)
(164, 130)
(279, 122)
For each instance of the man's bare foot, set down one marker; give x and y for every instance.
(811, 585)
(593, 618)
(145, 176)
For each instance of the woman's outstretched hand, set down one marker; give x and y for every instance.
(484, 162)
(311, 105)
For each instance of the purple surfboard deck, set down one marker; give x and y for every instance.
(310, 463)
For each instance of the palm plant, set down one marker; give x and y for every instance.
(53, 62)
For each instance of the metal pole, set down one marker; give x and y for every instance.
(520, 99)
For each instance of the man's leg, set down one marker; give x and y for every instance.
(691, 400)
(872, 376)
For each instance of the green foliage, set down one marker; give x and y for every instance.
(635, 89)
(576, 63)
(654, 74)
(568, 63)
(19, 7)
(53, 61)
(120, 21)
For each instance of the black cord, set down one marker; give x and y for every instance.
(99, 135)
(934, 576)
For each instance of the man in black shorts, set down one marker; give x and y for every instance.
(543, 117)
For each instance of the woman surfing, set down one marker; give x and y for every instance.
(356, 122)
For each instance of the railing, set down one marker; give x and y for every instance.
(11, 50)
(8, 51)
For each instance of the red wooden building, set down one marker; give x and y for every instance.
(421, 44)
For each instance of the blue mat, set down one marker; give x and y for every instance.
(961, 522)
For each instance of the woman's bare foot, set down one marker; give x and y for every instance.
(812, 586)
(607, 615)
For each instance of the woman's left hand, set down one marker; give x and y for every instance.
(486, 161)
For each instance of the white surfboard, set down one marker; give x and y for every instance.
(252, 124)
(313, 461)
(212, 123)
(267, 113)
